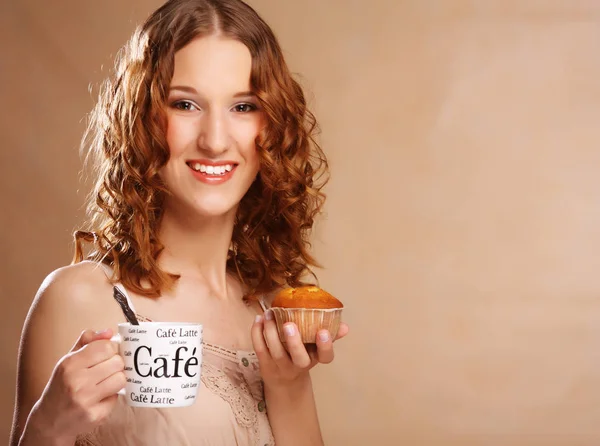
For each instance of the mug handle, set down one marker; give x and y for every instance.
(117, 339)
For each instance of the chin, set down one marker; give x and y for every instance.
(214, 207)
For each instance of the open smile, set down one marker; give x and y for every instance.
(210, 172)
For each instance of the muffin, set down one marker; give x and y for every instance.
(310, 308)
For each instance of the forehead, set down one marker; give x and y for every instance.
(213, 65)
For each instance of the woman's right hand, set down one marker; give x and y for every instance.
(82, 390)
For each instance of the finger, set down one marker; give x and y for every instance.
(103, 370)
(85, 338)
(97, 351)
(258, 341)
(295, 347)
(88, 336)
(343, 331)
(276, 348)
(110, 386)
(324, 347)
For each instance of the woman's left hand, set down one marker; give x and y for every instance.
(279, 366)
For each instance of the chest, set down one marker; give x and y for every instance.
(226, 320)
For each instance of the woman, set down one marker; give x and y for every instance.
(208, 183)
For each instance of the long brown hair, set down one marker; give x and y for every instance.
(126, 135)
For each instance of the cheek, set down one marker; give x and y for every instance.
(247, 135)
(252, 161)
(250, 155)
(179, 136)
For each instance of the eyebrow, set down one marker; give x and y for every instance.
(192, 90)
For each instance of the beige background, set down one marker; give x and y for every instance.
(463, 226)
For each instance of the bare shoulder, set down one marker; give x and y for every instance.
(73, 285)
(72, 299)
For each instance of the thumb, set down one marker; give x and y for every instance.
(88, 336)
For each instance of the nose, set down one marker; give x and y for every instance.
(214, 133)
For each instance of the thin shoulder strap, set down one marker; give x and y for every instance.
(120, 295)
(122, 298)
(261, 301)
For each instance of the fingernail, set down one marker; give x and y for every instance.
(100, 332)
(324, 336)
(289, 330)
(258, 319)
(268, 315)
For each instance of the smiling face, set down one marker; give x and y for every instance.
(213, 120)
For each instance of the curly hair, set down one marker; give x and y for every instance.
(126, 135)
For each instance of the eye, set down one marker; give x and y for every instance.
(185, 106)
(245, 107)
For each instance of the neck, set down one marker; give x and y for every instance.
(197, 246)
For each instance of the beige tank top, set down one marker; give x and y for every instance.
(229, 410)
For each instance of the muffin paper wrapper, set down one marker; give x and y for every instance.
(309, 321)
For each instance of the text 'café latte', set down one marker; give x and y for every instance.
(172, 332)
(163, 363)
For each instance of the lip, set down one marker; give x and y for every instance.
(212, 179)
(211, 163)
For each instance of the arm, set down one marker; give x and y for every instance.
(293, 414)
(288, 387)
(66, 304)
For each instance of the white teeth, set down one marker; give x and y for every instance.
(212, 170)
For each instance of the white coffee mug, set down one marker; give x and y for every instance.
(163, 362)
